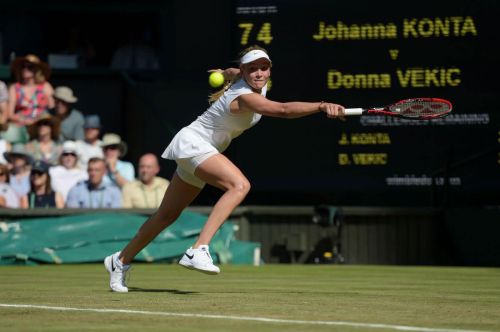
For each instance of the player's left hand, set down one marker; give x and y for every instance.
(230, 74)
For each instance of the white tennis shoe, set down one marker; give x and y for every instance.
(200, 260)
(117, 273)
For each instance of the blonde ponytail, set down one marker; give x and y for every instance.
(217, 94)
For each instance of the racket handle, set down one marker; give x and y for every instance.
(353, 111)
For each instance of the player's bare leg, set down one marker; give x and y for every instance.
(222, 173)
(178, 196)
(219, 171)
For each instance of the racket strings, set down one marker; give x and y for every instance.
(419, 108)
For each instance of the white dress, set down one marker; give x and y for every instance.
(215, 128)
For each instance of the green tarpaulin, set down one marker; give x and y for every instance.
(91, 237)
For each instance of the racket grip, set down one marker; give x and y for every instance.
(353, 111)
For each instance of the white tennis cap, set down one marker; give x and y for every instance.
(254, 55)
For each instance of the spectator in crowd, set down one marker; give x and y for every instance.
(30, 96)
(71, 119)
(4, 106)
(67, 174)
(8, 197)
(20, 163)
(44, 134)
(5, 145)
(94, 193)
(91, 145)
(41, 194)
(147, 191)
(119, 172)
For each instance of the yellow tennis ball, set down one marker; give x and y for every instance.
(215, 79)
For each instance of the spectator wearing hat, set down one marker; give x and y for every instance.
(29, 97)
(65, 175)
(94, 193)
(8, 197)
(20, 164)
(90, 146)
(41, 194)
(119, 172)
(147, 191)
(44, 135)
(71, 119)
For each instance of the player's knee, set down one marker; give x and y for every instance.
(241, 186)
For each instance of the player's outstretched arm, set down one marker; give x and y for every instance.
(259, 104)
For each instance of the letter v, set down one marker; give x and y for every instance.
(394, 54)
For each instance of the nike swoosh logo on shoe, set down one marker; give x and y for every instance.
(190, 257)
(112, 265)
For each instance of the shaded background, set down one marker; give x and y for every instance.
(287, 161)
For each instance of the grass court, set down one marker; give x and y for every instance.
(166, 297)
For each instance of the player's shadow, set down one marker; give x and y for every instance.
(159, 290)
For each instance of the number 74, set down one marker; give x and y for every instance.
(264, 34)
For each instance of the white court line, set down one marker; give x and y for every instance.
(243, 318)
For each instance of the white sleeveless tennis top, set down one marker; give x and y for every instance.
(215, 128)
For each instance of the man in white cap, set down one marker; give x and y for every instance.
(71, 119)
(65, 175)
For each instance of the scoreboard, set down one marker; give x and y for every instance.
(360, 54)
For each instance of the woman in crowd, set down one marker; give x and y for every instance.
(71, 119)
(44, 135)
(4, 107)
(29, 97)
(20, 166)
(41, 194)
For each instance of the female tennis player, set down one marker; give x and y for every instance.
(197, 150)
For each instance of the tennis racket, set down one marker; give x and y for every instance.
(415, 108)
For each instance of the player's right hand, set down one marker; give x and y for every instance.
(333, 111)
